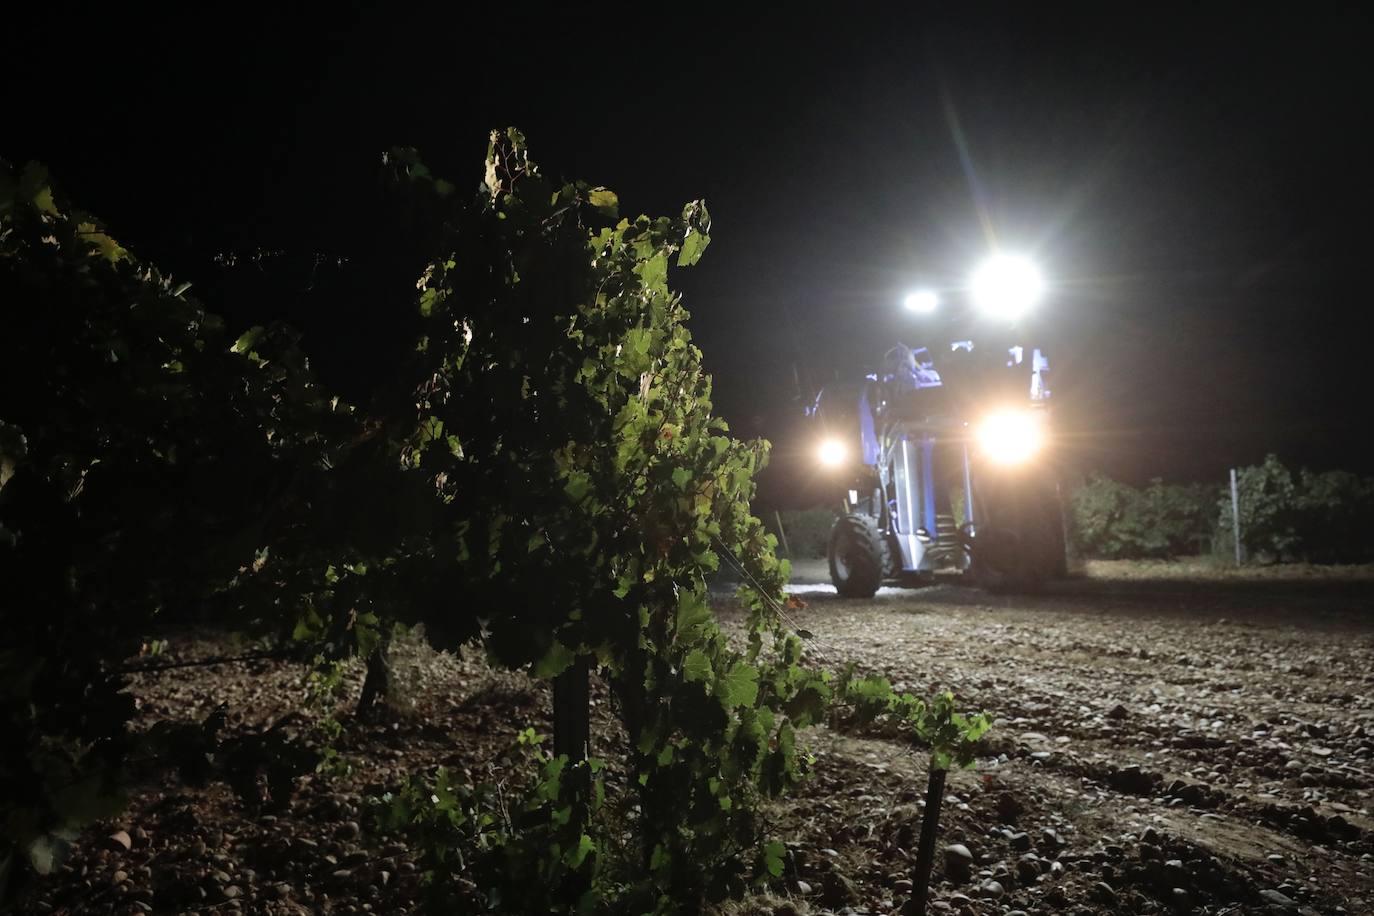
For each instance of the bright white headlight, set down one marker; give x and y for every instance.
(832, 453)
(1006, 286)
(922, 301)
(1011, 436)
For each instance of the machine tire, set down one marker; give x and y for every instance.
(858, 556)
(1024, 557)
(1051, 560)
(1000, 563)
(1060, 549)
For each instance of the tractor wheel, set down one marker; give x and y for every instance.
(1023, 555)
(858, 556)
(1059, 549)
(1000, 563)
(1051, 560)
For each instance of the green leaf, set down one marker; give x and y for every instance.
(692, 248)
(773, 853)
(654, 272)
(693, 614)
(576, 856)
(807, 705)
(739, 686)
(558, 659)
(604, 200)
(697, 666)
(428, 299)
(577, 486)
(637, 342)
(43, 201)
(248, 339)
(47, 852)
(681, 477)
(431, 429)
(108, 248)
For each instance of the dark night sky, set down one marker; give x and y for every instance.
(1197, 188)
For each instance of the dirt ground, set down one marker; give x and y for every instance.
(1168, 739)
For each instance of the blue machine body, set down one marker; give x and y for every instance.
(907, 411)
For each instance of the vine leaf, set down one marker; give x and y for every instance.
(604, 200)
(692, 247)
(558, 659)
(693, 615)
(584, 847)
(47, 852)
(773, 852)
(697, 666)
(739, 686)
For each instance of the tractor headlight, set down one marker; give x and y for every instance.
(922, 301)
(1006, 286)
(832, 453)
(1011, 436)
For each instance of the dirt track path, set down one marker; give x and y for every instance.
(1190, 746)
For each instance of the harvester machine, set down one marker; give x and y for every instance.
(943, 453)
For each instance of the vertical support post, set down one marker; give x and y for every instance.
(377, 682)
(925, 852)
(1235, 514)
(782, 533)
(968, 489)
(572, 735)
(571, 712)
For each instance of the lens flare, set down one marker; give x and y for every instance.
(832, 453)
(922, 301)
(1011, 436)
(1006, 286)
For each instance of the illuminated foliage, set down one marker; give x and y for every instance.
(1321, 516)
(544, 476)
(565, 427)
(1113, 520)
